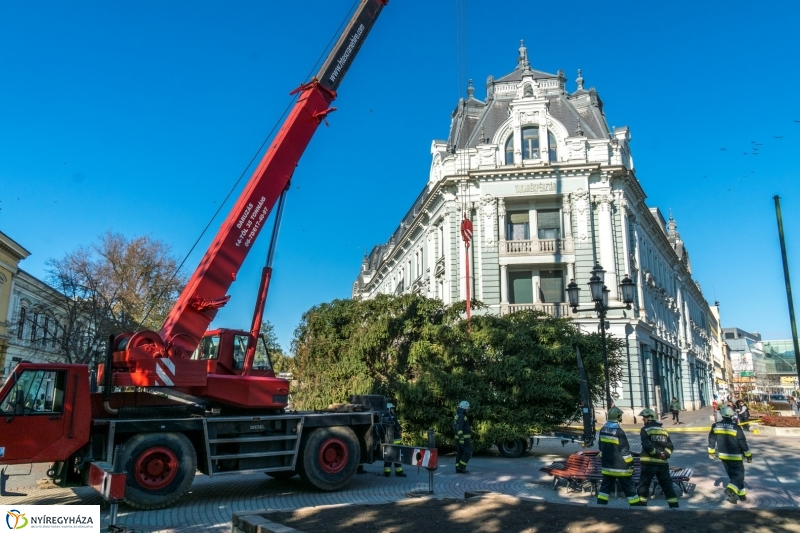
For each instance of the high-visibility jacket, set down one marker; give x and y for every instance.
(461, 425)
(615, 453)
(727, 440)
(655, 440)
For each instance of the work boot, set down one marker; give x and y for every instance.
(387, 474)
(731, 495)
(673, 505)
(361, 470)
(742, 498)
(461, 470)
(640, 503)
(400, 474)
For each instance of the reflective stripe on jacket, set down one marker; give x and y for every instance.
(615, 453)
(461, 425)
(655, 440)
(727, 440)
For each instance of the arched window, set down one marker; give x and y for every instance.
(510, 150)
(530, 142)
(34, 324)
(553, 147)
(21, 323)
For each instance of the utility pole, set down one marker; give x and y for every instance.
(788, 283)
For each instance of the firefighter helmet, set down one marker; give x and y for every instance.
(615, 414)
(464, 404)
(648, 413)
(390, 405)
(726, 412)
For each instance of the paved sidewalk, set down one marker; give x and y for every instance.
(773, 481)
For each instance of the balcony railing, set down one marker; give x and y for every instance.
(539, 246)
(557, 310)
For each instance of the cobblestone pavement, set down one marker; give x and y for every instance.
(772, 480)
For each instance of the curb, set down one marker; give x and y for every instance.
(257, 522)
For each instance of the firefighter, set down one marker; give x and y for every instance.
(657, 448)
(733, 449)
(463, 437)
(389, 420)
(616, 461)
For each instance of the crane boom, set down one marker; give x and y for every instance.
(205, 293)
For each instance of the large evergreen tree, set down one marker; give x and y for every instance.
(518, 371)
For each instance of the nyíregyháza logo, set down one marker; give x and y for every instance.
(16, 519)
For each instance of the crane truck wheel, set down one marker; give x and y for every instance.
(329, 457)
(511, 447)
(160, 468)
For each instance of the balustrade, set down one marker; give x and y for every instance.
(538, 246)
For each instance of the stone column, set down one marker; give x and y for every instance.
(682, 324)
(638, 277)
(501, 225)
(622, 202)
(503, 284)
(606, 235)
(566, 214)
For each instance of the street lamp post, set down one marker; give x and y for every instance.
(600, 298)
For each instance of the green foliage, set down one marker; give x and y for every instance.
(518, 371)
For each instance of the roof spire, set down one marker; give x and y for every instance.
(672, 225)
(470, 89)
(579, 130)
(523, 62)
(579, 81)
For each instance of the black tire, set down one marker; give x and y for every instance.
(160, 468)
(285, 474)
(329, 457)
(511, 448)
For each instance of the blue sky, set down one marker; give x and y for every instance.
(138, 117)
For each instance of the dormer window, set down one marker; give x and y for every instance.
(510, 150)
(552, 147)
(527, 91)
(530, 142)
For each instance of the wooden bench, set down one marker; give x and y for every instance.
(584, 467)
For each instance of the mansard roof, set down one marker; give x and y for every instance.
(474, 121)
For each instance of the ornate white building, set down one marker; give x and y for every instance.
(551, 191)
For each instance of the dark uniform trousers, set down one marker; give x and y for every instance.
(735, 471)
(463, 453)
(625, 483)
(661, 473)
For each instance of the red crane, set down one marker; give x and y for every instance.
(168, 358)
